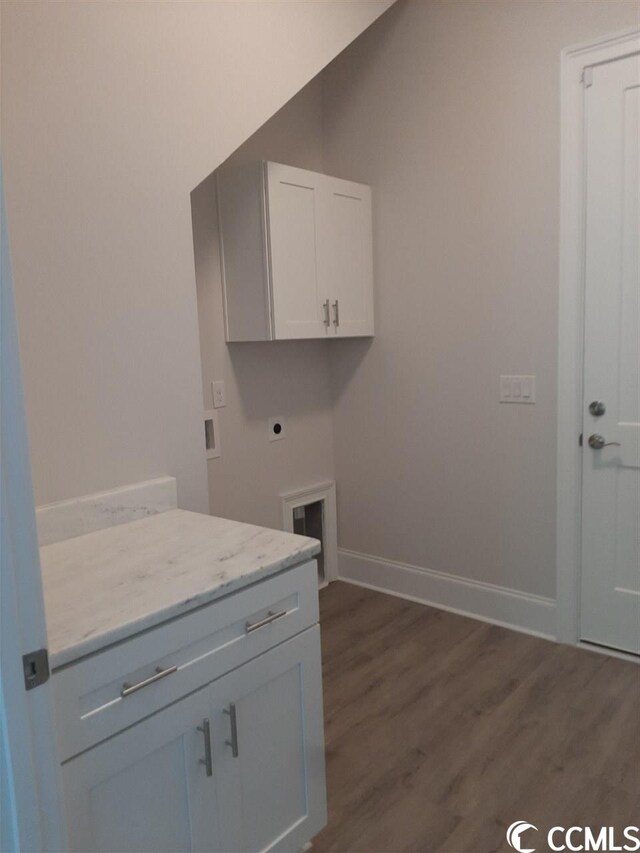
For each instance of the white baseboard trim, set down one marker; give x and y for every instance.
(521, 611)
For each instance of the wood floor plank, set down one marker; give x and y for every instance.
(442, 730)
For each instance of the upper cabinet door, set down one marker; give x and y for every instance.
(347, 262)
(294, 207)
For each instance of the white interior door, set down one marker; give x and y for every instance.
(30, 804)
(293, 210)
(610, 607)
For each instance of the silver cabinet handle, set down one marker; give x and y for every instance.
(336, 313)
(327, 314)
(597, 442)
(205, 728)
(250, 627)
(128, 689)
(233, 743)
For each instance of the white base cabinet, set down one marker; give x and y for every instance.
(237, 765)
(296, 253)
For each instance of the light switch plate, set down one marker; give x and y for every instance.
(218, 394)
(518, 389)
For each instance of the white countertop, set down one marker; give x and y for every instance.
(109, 585)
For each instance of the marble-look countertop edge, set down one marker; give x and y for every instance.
(72, 654)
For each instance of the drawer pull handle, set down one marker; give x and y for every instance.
(233, 743)
(128, 689)
(205, 728)
(268, 619)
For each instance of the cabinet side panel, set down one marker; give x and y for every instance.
(242, 252)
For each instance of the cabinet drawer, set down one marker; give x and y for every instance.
(110, 690)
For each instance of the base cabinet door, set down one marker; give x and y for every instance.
(146, 789)
(270, 748)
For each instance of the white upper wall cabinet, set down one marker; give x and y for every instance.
(296, 254)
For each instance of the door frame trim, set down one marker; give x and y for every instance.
(571, 318)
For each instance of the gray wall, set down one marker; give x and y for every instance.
(111, 114)
(451, 111)
(289, 379)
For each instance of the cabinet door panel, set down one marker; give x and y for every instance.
(275, 786)
(142, 807)
(348, 266)
(145, 789)
(293, 203)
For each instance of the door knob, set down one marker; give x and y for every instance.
(597, 408)
(597, 442)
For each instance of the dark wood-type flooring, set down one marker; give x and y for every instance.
(441, 730)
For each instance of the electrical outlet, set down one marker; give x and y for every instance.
(276, 431)
(518, 389)
(218, 394)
